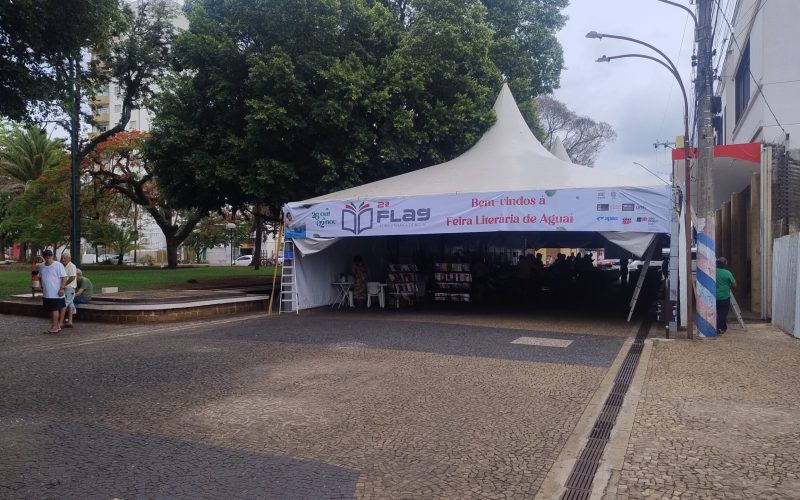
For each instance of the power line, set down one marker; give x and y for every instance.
(669, 97)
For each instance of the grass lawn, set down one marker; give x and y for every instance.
(17, 279)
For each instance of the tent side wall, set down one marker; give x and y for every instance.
(316, 271)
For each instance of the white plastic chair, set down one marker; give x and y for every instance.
(374, 289)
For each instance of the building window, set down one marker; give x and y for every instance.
(132, 125)
(742, 82)
(118, 108)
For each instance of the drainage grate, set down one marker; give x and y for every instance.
(579, 482)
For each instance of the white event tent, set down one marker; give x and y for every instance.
(559, 151)
(507, 182)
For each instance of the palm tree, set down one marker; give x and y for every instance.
(25, 154)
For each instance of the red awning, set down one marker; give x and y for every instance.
(748, 152)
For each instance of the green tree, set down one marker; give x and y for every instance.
(41, 214)
(37, 38)
(5, 202)
(120, 168)
(524, 46)
(284, 100)
(25, 154)
(209, 233)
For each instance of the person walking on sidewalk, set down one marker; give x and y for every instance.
(725, 283)
(53, 278)
(69, 289)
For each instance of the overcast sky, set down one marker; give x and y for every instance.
(639, 98)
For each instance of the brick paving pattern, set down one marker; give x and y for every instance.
(718, 419)
(318, 406)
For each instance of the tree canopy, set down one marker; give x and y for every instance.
(583, 138)
(118, 166)
(284, 100)
(37, 38)
(25, 154)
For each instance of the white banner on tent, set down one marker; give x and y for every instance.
(613, 209)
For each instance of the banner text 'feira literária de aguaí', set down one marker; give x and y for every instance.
(621, 209)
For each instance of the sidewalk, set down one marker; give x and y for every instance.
(715, 419)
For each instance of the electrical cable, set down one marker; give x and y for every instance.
(672, 86)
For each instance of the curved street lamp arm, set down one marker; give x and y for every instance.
(659, 61)
(687, 9)
(594, 34)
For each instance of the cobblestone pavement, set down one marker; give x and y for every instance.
(323, 405)
(718, 419)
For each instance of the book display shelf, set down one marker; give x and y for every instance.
(402, 285)
(452, 282)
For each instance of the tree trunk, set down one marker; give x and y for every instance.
(2, 248)
(172, 252)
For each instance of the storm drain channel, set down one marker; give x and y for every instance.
(579, 482)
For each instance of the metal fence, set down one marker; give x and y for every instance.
(785, 189)
(786, 284)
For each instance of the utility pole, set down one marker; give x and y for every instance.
(75, 233)
(706, 249)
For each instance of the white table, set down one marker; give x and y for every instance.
(343, 290)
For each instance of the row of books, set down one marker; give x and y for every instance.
(402, 268)
(456, 267)
(453, 277)
(401, 277)
(464, 286)
(452, 297)
(403, 288)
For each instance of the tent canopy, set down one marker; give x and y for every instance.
(507, 181)
(559, 151)
(507, 158)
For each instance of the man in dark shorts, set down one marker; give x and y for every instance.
(53, 278)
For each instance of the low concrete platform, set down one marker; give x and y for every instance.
(153, 306)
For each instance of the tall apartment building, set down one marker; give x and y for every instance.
(759, 79)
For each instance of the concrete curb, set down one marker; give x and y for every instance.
(553, 484)
(607, 477)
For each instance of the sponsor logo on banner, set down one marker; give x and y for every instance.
(293, 230)
(602, 207)
(628, 207)
(356, 217)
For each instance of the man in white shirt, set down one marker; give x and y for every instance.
(69, 290)
(53, 278)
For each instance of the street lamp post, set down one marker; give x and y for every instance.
(687, 218)
(230, 226)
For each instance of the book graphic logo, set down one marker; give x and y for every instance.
(356, 217)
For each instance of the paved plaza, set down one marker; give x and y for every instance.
(388, 405)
